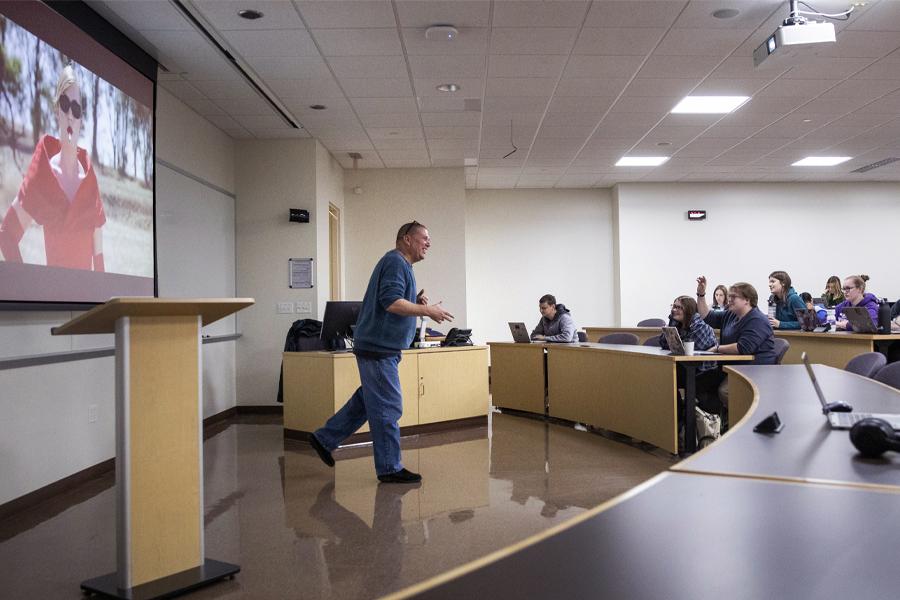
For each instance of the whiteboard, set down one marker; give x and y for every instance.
(194, 242)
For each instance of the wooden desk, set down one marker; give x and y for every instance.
(626, 389)
(807, 449)
(438, 384)
(643, 333)
(690, 537)
(834, 349)
(519, 376)
(799, 515)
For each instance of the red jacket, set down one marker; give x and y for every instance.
(68, 227)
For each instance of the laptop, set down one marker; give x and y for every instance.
(809, 321)
(674, 341)
(520, 334)
(844, 420)
(860, 319)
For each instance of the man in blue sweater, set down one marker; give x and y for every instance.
(386, 326)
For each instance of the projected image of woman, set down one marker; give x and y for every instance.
(60, 192)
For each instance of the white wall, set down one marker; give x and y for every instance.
(44, 430)
(522, 244)
(391, 197)
(811, 231)
(274, 176)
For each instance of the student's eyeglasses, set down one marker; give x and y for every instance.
(403, 230)
(65, 103)
(847, 289)
(734, 296)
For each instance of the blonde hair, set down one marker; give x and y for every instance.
(66, 78)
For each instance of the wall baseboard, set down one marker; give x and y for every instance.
(211, 425)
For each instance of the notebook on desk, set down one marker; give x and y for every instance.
(860, 319)
(520, 334)
(844, 420)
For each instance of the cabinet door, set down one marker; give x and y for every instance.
(452, 385)
(346, 380)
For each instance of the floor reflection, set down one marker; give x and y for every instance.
(301, 530)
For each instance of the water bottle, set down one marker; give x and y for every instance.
(772, 307)
(884, 318)
(829, 317)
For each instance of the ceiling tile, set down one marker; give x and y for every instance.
(391, 120)
(532, 40)
(469, 88)
(275, 43)
(615, 67)
(678, 88)
(310, 91)
(451, 119)
(469, 41)
(569, 13)
(459, 13)
(384, 105)
(520, 86)
(460, 66)
(290, 68)
(753, 13)
(358, 42)
(368, 66)
(688, 67)
(223, 14)
(339, 14)
(591, 87)
(394, 133)
(634, 13)
(512, 65)
(625, 41)
(376, 87)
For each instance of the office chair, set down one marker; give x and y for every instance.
(866, 364)
(889, 375)
(651, 323)
(620, 337)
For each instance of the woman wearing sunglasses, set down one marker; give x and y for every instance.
(59, 192)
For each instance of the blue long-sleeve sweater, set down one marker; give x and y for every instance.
(377, 330)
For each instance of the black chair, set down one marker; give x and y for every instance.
(889, 375)
(651, 323)
(781, 348)
(652, 341)
(582, 336)
(620, 337)
(866, 364)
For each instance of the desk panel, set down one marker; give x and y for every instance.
(518, 376)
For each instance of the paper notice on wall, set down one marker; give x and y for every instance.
(300, 272)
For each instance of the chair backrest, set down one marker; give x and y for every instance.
(866, 364)
(781, 348)
(582, 336)
(620, 337)
(890, 375)
(651, 323)
(652, 341)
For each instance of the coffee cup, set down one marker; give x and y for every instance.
(688, 348)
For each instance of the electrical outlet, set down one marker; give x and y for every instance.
(304, 307)
(92, 413)
(285, 308)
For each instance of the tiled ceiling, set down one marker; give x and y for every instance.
(570, 85)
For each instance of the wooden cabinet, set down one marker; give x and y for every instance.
(438, 384)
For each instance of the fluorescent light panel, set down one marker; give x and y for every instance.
(709, 104)
(821, 161)
(641, 161)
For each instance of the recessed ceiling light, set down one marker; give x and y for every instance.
(821, 161)
(709, 104)
(641, 161)
(448, 87)
(318, 106)
(663, 144)
(249, 13)
(807, 120)
(726, 13)
(441, 32)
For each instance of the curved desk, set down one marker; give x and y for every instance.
(793, 515)
(834, 348)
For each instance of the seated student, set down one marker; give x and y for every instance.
(821, 313)
(692, 328)
(855, 295)
(832, 296)
(556, 324)
(720, 298)
(786, 301)
(743, 330)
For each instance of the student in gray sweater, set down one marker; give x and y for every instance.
(556, 324)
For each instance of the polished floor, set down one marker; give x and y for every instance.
(301, 530)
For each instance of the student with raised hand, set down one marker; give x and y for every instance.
(691, 328)
(743, 330)
(720, 298)
(556, 324)
(786, 301)
(855, 295)
(832, 296)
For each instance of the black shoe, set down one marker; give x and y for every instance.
(324, 454)
(401, 476)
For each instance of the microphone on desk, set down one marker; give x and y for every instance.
(873, 437)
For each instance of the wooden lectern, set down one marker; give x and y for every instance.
(159, 437)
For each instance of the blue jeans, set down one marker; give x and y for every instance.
(379, 401)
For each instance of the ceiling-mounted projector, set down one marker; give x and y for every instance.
(797, 30)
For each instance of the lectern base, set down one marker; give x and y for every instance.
(167, 587)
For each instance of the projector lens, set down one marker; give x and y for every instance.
(770, 44)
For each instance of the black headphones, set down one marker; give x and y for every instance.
(874, 437)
